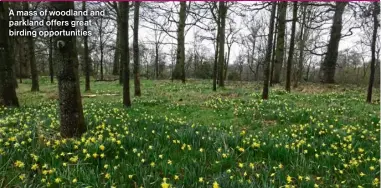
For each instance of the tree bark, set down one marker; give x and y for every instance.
(179, 71)
(136, 49)
(8, 95)
(376, 11)
(273, 57)
(292, 46)
(70, 103)
(121, 43)
(280, 50)
(215, 63)
(101, 47)
(226, 65)
(125, 56)
(115, 69)
(216, 51)
(330, 60)
(86, 53)
(157, 61)
(302, 40)
(32, 57)
(51, 69)
(265, 92)
(221, 59)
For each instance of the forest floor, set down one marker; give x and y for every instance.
(186, 135)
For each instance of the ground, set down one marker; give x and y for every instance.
(317, 136)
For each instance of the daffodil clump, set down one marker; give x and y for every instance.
(230, 138)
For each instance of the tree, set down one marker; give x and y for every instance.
(70, 103)
(51, 69)
(292, 46)
(86, 52)
(230, 40)
(136, 49)
(32, 57)
(159, 37)
(217, 19)
(265, 92)
(302, 40)
(239, 64)
(102, 42)
(376, 11)
(8, 95)
(179, 72)
(221, 59)
(279, 54)
(329, 63)
(116, 65)
(125, 57)
(254, 25)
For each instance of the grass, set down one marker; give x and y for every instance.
(317, 136)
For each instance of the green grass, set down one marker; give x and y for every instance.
(317, 136)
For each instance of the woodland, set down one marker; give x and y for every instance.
(191, 94)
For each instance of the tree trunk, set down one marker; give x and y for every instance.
(329, 64)
(101, 47)
(273, 58)
(265, 92)
(376, 11)
(121, 68)
(136, 49)
(257, 71)
(86, 53)
(8, 95)
(252, 59)
(32, 57)
(215, 63)
(302, 40)
(116, 63)
(20, 66)
(226, 66)
(13, 60)
(121, 43)
(280, 50)
(157, 61)
(221, 59)
(308, 70)
(292, 46)
(51, 69)
(179, 72)
(70, 103)
(125, 56)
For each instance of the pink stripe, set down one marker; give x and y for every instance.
(192, 0)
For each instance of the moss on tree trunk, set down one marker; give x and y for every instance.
(70, 103)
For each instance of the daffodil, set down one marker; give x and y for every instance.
(22, 176)
(289, 179)
(215, 184)
(102, 147)
(165, 184)
(34, 166)
(58, 180)
(19, 164)
(107, 176)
